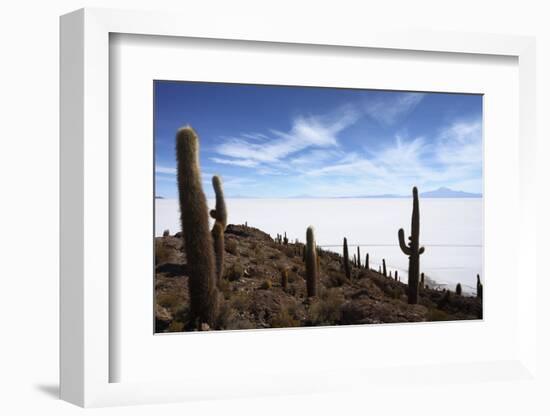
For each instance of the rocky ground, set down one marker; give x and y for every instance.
(253, 296)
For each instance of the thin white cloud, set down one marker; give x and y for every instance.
(453, 158)
(165, 170)
(247, 163)
(460, 144)
(305, 133)
(391, 109)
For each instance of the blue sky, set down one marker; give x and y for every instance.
(279, 142)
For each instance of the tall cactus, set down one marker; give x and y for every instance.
(358, 257)
(479, 291)
(413, 250)
(367, 265)
(220, 215)
(384, 270)
(195, 229)
(311, 263)
(346, 259)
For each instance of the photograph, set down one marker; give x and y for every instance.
(285, 206)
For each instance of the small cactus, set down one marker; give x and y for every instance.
(346, 259)
(422, 279)
(166, 233)
(284, 279)
(413, 250)
(354, 260)
(367, 265)
(458, 289)
(195, 229)
(358, 257)
(311, 263)
(384, 270)
(285, 240)
(220, 213)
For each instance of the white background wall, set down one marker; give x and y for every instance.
(29, 186)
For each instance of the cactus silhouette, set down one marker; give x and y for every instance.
(358, 257)
(311, 263)
(354, 262)
(384, 270)
(220, 213)
(367, 265)
(458, 289)
(479, 288)
(422, 280)
(195, 229)
(285, 240)
(413, 250)
(346, 259)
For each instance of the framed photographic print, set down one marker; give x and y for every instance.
(270, 212)
(309, 187)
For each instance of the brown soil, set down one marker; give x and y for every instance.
(252, 294)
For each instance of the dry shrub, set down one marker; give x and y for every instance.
(266, 284)
(235, 272)
(240, 301)
(328, 309)
(231, 246)
(284, 319)
(169, 300)
(163, 253)
(437, 315)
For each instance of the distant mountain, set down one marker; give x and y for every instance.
(448, 193)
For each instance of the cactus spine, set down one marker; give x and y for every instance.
(311, 263)
(413, 250)
(346, 259)
(384, 270)
(195, 230)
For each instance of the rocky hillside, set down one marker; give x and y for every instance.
(252, 292)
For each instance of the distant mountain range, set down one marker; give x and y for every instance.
(442, 192)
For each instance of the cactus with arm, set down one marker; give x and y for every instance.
(195, 230)
(413, 250)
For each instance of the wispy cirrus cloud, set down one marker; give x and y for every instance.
(451, 158)
(306, 132)
(390, 109)
(165, 170)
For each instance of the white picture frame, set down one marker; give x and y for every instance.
(86, 356)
